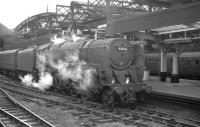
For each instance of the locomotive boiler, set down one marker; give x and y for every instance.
(118, 66)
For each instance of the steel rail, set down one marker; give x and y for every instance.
(13, 110)
(125, 116)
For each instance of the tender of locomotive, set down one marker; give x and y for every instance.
(119, 67)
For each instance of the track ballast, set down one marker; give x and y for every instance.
(13, 114)
(99, 114)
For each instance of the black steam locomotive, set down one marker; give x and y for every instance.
(118, 67)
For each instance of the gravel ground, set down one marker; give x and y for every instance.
(58, 117)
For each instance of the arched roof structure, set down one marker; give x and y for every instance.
(38, 25)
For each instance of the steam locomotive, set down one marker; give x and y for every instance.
(118, 66)
(188, 64)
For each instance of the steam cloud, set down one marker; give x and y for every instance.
(27, 79)
(71, 67)
(45, 80)
(65, 64)
(56, 40)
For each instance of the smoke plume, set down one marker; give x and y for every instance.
(56, 40)
(27, 79)
(65, 64)
(68, 66)
(45, 81)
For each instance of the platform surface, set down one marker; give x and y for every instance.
(189, 89)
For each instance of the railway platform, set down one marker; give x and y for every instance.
(186, 89)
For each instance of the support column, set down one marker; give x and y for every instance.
(96, 35)
(175, 76)
(163, 66)
(108, 11)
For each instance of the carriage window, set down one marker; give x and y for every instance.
(196, 62)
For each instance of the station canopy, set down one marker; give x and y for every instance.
(176, 28)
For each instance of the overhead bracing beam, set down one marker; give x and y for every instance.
(185, 14)
(86, 15)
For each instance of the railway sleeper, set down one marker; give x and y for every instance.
(127, 118)
(5, 103)
(28, 120)
(19, 114)
(79, 113)
(3, 119)
(14, 111)
(9, 108)
(25, 117)
(7, 122)
(2, 98)
(13, 107)
(104, 121)
(84, 116)
(10, 125)
(188, 125)
(66, 108)
(94, 118)
(34, 123)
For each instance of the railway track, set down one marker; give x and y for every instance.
(185, 101)
(13, 114)
(99, 114)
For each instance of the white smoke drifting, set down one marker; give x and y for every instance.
(45, 81)
(75, 38)
(27, 79)
(66, 64)
(56, 40)
(66, 36)
(71, 67)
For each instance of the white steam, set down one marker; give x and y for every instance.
(66, 36)
(87, 79)
(71, 67)
(56, 40)
(27, 79)
(75, 38)
(65, 64)
(44, 82)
